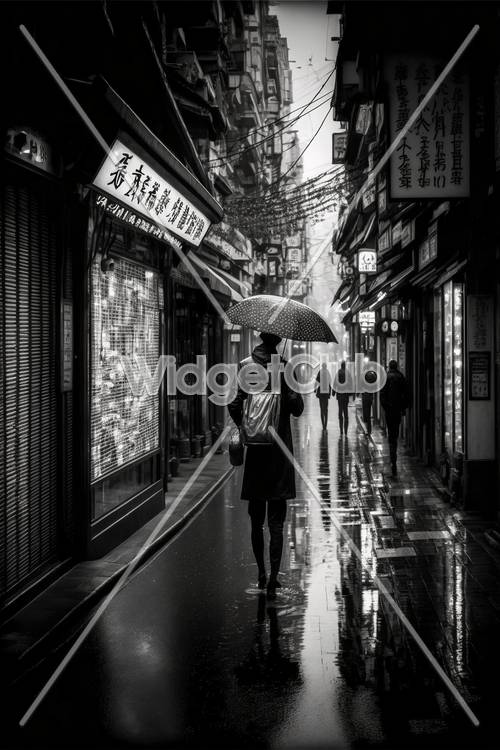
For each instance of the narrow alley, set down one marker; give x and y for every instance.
(191, 654)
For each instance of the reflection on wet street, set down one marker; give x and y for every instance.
(192, 654)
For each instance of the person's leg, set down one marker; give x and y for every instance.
(257, 513)
(393, 423)
(323, 404)
(341, 416)
(276, 513)
(346, 415)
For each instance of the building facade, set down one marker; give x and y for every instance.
(117, 168)
(418, 238)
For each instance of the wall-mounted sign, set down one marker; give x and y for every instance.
(480, 328)
(384, 240)
(432, 159)
(66, 345)
(294, 240)
(480, 311)
(391, 349)
(294, 254)
(272, 267)
(135, 221)
(479, 376)
(382, 200)
(396, 232)
(364, 118)
(408, 233)
(29, 146)
(339, 146)
(368, 195)
(366, 319)
(367, 260)
(126, 177)
(229, 241)
(402, 357)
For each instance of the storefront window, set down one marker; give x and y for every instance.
(124, 321)
(448, 365)
(453, 366)
(458, 374)
(438, 379)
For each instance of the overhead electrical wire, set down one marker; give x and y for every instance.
(255, 130)
(236, 154)
(306, 147)
(272, 135)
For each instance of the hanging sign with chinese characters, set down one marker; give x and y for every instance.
(367, 260)
(126, 177)
(432, 159)
(339, 146)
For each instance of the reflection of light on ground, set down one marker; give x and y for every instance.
(459, 613)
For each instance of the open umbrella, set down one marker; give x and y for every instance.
(282, 316)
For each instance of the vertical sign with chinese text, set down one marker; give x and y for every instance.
(432, 159)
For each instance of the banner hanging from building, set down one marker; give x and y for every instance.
(126, 177)
(432, 160)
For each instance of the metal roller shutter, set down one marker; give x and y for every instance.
(28, 407)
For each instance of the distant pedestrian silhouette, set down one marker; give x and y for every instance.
(268, 477)
(343, 399)
(367, 402)
(323, 393)
(394, 398)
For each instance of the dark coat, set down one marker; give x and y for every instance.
(342, 397)
(326, 395)
(394, 396)
(268, 474)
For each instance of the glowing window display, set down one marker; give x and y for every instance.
(458, 375)
(448, 366)
(124, 321)
(453, 366)
(438, 374)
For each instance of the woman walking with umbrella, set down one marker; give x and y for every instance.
(269, 477)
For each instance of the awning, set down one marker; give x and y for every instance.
(379, 281)
(400, 277)
(215, 282)
(240, 286)
(343, 291)
(361, 238)
(229, 241)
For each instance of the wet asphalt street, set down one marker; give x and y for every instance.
(191, 654)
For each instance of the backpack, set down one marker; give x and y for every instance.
(260, 412)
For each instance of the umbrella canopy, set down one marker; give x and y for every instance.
(282, 316)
